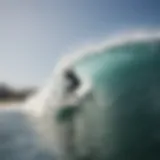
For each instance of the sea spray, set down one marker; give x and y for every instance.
(116, 116)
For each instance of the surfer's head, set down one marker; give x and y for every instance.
(106, 101)
(119, 119)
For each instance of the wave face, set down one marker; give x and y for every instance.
(104, 102)
(120, 117)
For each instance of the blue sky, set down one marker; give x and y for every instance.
(34, 34)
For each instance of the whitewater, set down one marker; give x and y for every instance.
(100, 103)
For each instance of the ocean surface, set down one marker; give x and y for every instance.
(118, 108)
(14, 104)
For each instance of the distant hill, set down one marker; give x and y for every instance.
(10, 93)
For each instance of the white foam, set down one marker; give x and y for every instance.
(68, 62)
(117, 40)
(45, 103)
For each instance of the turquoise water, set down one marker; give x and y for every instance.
(120, 117)
(117, 117)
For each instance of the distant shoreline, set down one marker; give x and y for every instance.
(4, 103)
(10, 95)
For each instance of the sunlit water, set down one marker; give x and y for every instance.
(12, 104)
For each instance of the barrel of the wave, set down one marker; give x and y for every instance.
(121, 116)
